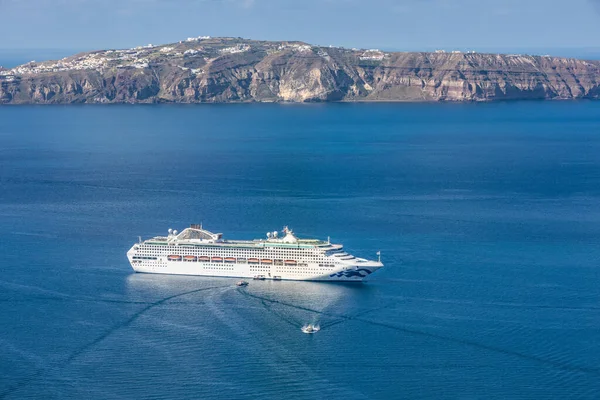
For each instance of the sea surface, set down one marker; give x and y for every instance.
(487, 217)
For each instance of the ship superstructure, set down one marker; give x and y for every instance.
(196, 251)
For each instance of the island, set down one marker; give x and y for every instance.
(220, 70)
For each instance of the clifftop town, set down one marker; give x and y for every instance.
(205, 69)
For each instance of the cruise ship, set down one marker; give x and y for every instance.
(196, 251)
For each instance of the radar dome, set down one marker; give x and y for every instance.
(269, 234)
(170, 231)
(274, 233)
(175, 232)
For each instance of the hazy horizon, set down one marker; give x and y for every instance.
(405, 25)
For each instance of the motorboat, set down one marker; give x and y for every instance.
(242, 283)
(311, 328)
(259, 277)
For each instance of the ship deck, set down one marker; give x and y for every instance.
(300, 244)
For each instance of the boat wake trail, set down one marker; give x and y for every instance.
(529, 357)
(135, 316)
(351, 317)
(297, 307)
(285, 318)
(78, 352)
(288, 363)
(566, 366)
(267, 304)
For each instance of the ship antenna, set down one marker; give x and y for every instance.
(139, 239)
(328, 240)
(379, 256)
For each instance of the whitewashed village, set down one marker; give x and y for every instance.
(141, 57)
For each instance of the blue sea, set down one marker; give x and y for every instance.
(487, 217)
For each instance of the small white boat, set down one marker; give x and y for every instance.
(259, 278)
(311, 328)
(242, 283)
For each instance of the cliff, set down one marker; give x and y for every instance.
(238, 70)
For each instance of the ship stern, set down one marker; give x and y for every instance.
(132, 252)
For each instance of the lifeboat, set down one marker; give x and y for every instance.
(204, 258)
(253, 261)
(217, 259)
(266, 261)
(174, 258)
(189, 258)
(229, 259)
(241, 261)
(291, 262)
(278, 262)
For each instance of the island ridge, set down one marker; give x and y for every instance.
(219, 70)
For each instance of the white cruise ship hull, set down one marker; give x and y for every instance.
(315, 273)
(199, 252)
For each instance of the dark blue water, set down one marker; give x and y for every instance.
(487, 217)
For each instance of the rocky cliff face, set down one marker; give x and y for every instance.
(237, 70)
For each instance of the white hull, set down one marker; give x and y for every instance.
(199, 252)
(345, 274)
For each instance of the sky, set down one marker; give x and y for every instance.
(539, 26)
